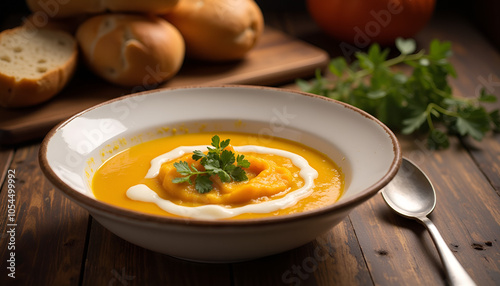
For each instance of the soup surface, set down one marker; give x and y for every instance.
(283, 177)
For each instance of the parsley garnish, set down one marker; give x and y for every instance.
(217, 162)
(419, 102)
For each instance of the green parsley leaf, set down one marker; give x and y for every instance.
(486, 97)
(224, 176)
(419, 100)
(474, 122)
(197, 155)
(495, 119)
(338, 66)
(376, 94)
(179, 180)
(217, 162)
(437, 140)
(226, 158)
(182, 167)
(216, 141)
(242, 162)
(414, 123)
(203, 184)
(224, 144)
(238, 174)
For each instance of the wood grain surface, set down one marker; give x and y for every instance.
(277, 58)
(50, 229)
(58, 243)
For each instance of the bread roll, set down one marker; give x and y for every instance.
(69, 8)
(131, 50)
(217, 30)
(34, 65)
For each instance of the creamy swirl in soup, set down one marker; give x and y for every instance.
(282, 177)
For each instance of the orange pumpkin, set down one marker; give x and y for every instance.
(362, 22)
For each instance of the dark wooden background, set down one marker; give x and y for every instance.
(58, 243)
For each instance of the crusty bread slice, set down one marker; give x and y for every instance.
(35, 64)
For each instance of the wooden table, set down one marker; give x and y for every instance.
(58, 243)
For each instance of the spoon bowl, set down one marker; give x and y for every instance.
(417, 198)
(412, 195)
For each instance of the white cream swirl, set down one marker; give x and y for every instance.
(143, 193)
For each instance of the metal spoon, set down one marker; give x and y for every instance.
(412, 195)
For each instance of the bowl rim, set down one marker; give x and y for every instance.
(92, 204)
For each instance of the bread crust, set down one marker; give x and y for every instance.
(26, 91)
(218, 30)
(131, 50)
(69, 8)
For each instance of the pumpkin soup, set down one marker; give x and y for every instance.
(240, 177)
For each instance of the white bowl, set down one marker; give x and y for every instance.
(365, 149)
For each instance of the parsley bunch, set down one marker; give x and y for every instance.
(217, 162)
(419, 102)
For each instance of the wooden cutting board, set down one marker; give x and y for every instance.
(277, 58)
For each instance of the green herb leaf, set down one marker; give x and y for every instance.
(217, 162)
(365, 61)
(419, 100)
(197, 155)
(238, 174)
(486, 97)
(212, 167)
(338, 66)
(242, 162)
(495, 120)
(223, 176)
(182, 167)
(203, 184)
(414, 123)
(179, 180)
(437, 140)
(216, 141)
(473, 122)
(226, 158)
(224, 144)
(376, 94)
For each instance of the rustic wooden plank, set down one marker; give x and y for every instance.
(49, 229)
(6, 155)
(467, 210)
(114, 261)
(332, 259)
(398, 251)
(467, 215)
(486, 154)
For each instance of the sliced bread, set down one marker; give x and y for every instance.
(35, 64)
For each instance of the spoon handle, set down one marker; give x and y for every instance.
(454, 270)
